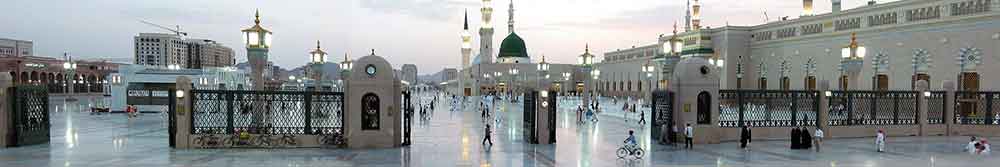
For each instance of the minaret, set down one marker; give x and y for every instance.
(510, 18)
(836, 5)
(486, 33)
(466, 43)
(687, 16)
(696, 15)
(807, 7)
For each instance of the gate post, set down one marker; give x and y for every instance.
(5, 110)
(949, 106)
(823, 114)
(182, 118)
(922, 88)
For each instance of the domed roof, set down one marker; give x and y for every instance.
(513, 46)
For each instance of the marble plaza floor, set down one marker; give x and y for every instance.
(453, 138)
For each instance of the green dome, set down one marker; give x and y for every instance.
(513, 46)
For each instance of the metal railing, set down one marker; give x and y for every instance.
(873, 108)
(768, 108)
(266, 112)
(936, 107)
(977, 108)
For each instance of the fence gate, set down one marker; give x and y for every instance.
(552, 115)
(407, 117)
(662, 114)
(29, 116)
(171, 118)
(529, 116)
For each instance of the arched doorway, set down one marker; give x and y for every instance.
(704, 108)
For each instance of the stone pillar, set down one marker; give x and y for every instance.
(183, 133)
(823, 115)
(949, 105)
(258, 59)
(921, 88)
(5, 109)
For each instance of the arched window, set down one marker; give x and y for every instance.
(704, 108)
(370, 112)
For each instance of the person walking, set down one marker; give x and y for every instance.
(818, 139)
(689, 137)
(745, 138)
(642, 117)
(880, 141)
(487, 137)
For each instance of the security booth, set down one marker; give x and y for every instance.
(696, 88)
(540, 117)
(374, 116)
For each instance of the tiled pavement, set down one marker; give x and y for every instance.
(453, 138)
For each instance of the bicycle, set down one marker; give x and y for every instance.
(630, 150)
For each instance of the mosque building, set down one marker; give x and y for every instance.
(884, 46)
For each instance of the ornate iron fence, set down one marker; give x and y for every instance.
(935, 107)
(29, 117)
(662, 112)
(873, 108)
(767, 108)
(977, 108)
(266, 112)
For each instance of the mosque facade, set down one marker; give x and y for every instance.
(885, 46)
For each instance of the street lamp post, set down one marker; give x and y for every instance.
(852, 58)
(513, 76)
(258, 41)
(318, 60)
(543, 69)
(648, 69)
(70, 67)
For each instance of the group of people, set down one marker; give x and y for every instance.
(802, 139)
(978, 146)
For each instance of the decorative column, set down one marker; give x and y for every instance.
(258, 41)
(880, 66)
(924, 90)
(852, 58)
(921, 67)
(823, 115)
(183, 127)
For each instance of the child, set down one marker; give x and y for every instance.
(880, 141)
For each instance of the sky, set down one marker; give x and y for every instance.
(420, 32)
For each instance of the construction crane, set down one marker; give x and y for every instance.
(176, 31)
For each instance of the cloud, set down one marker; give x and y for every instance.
(437, 10)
